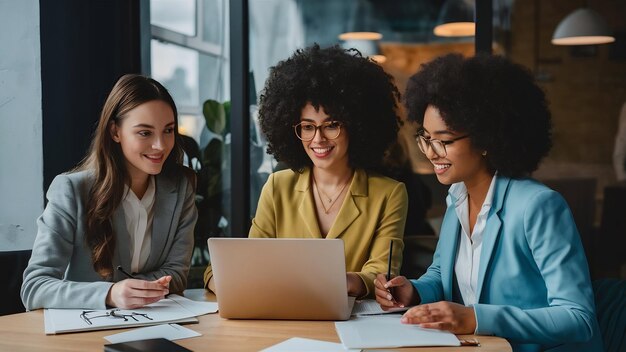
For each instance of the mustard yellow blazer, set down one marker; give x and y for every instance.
(372, 214)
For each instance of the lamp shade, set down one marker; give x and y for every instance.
(360, 36)
(582, 27)
(456, 19)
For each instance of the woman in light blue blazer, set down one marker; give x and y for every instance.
(509, 261)
(129, 205)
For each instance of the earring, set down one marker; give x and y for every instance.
(484, 153)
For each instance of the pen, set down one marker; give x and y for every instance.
(389, 260)
(469, 342)
(119, 267)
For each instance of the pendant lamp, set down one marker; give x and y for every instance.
(582, 27)
(365, 42)
(456, 19)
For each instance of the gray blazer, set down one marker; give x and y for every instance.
(60, 272)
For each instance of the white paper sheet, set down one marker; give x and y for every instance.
(166, 331)
(307, 345)
(199, 308)
(170, 310)
(386, 331)
(371, 307)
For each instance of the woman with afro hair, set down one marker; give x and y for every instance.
(509, 261)
(329, 115)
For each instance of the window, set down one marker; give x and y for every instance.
(189, 56)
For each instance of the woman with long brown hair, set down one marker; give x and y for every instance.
(129, 205)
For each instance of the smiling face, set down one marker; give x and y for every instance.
(328, 154)
(463, 163)
(146, 136)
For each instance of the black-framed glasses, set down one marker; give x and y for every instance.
(306, 130)
(438, 146)
(88, 315)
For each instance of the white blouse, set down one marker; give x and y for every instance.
(468, 254)
(139, 214)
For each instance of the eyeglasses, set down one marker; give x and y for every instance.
(89, 315)
(439, 147)
(306, 130)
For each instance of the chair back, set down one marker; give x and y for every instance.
(612, 236)
(580, 195)
(12, 266)
(610, 297)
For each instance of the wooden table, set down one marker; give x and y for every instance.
(25, 332)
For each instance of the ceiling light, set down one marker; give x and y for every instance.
(582, 27)
(456, 19)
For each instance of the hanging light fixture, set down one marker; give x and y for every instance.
(360, 35)
(582, 27)
(456, 19)
(365, 42)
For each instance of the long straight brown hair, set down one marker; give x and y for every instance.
(106, 160)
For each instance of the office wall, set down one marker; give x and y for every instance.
(21, 155)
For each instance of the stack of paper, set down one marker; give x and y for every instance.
(387, 332)
(172, 309)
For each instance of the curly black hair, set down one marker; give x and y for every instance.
(493, 100)
(350, 88)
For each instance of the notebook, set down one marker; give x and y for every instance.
(291, 279)
(152, 345)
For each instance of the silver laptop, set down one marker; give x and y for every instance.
(294, 279)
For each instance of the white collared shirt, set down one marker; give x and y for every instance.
(139, 214)
(468, 254)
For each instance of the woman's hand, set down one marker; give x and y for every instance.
(356, 286)
(395, 293)
(135, 293)
(211, 284)
(442, 315)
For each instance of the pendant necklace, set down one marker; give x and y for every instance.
(331, 201)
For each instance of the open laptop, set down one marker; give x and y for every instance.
(292, 279)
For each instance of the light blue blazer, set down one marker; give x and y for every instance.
(60, 272)
(533, 282)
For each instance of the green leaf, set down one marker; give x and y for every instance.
(215, 116)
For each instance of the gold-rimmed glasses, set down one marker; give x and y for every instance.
(438, 146)
(306, 130)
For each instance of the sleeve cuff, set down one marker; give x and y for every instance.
(208, 274)
(475, 318)
(483, 321)
(426, 294)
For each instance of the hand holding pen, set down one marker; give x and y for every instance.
(164, 280)
(135, 293)
(396, 292)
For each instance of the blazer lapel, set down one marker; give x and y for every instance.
(306, 207)
(349, 210)
(492, 231)
(122, 243)
(164, 206)
(449, 233)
